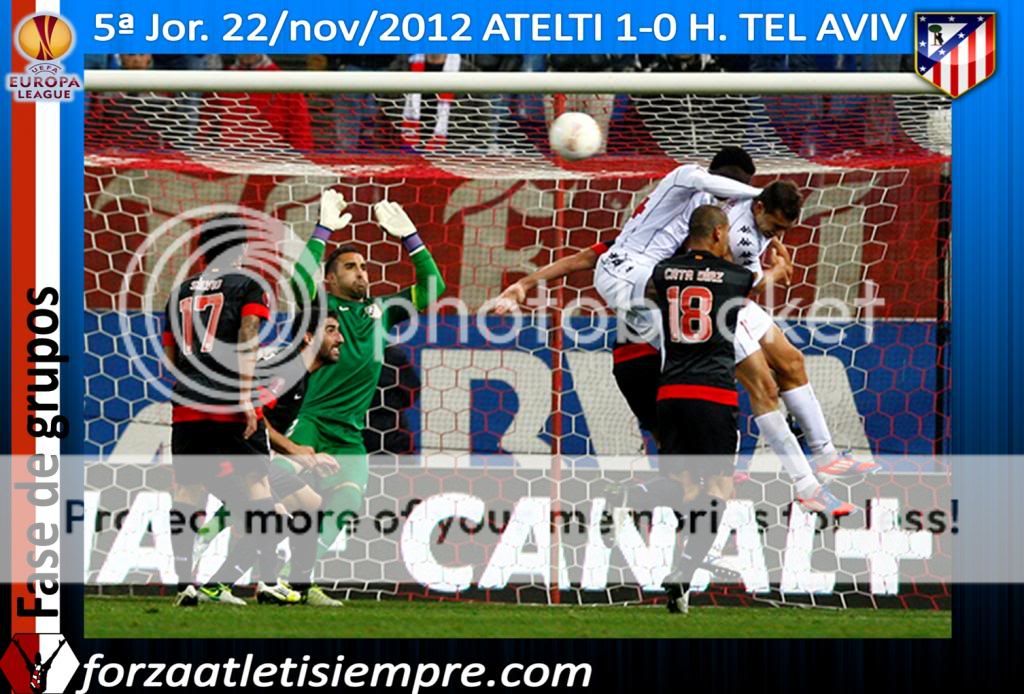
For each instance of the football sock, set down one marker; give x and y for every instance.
(304, 547)
(182, 544)
(269, 564)
(804, 405)
(776, 432)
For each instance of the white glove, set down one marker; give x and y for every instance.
(393, 218)
(332, 205)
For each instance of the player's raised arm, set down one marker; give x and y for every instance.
(720, 186)
(429, 282)
(515, 293)
(332, 217)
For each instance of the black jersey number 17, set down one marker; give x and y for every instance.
(214, 302)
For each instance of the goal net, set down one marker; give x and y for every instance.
(512, 413)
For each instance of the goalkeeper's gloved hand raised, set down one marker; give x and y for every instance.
(393, 218)
(396, 222)
(332, 214)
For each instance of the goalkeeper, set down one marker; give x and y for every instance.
(333, 413)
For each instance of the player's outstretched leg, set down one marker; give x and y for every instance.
(788, 364)
(756, 377)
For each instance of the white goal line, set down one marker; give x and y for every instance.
(510, 82)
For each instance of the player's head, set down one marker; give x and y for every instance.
(317, 330)
(329, 339)
(345, 273)
(733, 162)
(222, 239)
(777, 208)
(709, 230)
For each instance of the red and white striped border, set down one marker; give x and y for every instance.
(35, 263)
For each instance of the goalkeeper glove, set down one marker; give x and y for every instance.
(396, 222)
(332, 207)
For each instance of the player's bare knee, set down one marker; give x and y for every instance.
(791, 369)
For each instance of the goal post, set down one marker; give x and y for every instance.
(537, 413)
(496, 83)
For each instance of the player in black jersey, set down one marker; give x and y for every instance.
(218, 443)
(281, 379)
(700, 294)
(283, 388)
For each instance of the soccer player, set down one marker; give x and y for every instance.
(217, 443)
(756, 225)
(658, 227)
(700, 295)
(333, 412)
(285, 381)
(282, 378)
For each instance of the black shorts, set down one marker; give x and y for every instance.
(697, 435)
(637, 379)
(208, 453)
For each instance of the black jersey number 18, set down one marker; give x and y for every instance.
(690, 314)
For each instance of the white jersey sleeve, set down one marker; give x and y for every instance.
(721, 187)
(661, 223)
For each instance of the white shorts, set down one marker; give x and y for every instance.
(622, 283)
(752, 324)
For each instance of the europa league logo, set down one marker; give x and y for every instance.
(43, 39)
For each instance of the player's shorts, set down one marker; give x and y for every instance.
(213, 454)
(284, 481)
(752, 324)
(637, 368)
(354, 463)
(621, 280)
(697, 435)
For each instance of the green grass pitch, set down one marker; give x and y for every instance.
(152, 617)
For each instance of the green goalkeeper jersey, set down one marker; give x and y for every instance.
(338, 395)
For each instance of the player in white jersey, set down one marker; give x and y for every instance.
(752, 230)
(657, 229)
(755, 223)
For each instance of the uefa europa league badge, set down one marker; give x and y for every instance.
(43, 39)
(955, 51)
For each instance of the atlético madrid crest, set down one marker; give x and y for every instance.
(955, 51)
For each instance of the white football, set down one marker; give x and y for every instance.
(575, 135)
